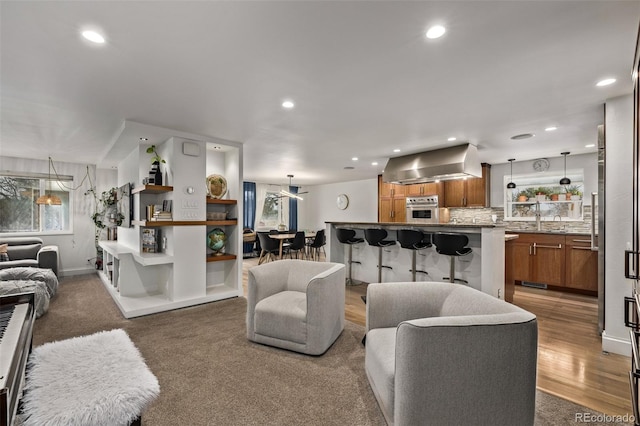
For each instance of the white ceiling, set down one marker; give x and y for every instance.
(364, 78)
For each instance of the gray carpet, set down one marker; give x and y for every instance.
(210, 374)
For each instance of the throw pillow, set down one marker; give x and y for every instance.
(4, 256)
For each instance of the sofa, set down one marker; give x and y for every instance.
(28, 251)
(447, 354)
(296, 305)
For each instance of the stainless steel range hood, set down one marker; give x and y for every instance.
(441, 164)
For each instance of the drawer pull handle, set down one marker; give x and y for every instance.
(581, 248)
(582, 241)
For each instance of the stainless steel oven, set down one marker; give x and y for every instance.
(422, 209)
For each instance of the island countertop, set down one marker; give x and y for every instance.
(482, 268)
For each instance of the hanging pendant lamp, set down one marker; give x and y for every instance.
(49, 199)
(511, 185)
(565, 180)
(289, 194)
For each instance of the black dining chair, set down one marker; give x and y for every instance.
(297, 244)
(269, 247)
(317, 244)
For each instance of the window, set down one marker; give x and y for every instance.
(271, 210)
(19, 212)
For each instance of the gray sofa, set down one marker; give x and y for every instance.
(447, 354)
(29, 251)
(296, 305)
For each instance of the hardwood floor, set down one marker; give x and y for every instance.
(571, 363)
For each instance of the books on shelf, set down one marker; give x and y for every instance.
(150, 237)
(162, 215)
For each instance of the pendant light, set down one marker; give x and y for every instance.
(49, 199)
(511, 185)
(289, 194)
(565, 180)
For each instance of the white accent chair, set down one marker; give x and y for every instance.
(296, 305)
(447, 354)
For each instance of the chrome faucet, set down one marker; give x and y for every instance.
(538, 222)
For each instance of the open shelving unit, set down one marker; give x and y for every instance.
(183, 273)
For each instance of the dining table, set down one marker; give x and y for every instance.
(283, 237)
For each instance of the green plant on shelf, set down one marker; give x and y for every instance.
(573, 190)
(156, 157)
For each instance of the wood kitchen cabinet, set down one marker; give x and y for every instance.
(539, 258)
(564, 261)
(470, 192)
(391, 202)
(582, 263)
(424, 189)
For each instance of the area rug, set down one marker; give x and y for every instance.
(210, 374)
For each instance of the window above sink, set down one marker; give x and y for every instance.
(543, 193)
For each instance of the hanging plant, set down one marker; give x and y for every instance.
(104, 204)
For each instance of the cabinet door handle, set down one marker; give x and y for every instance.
(530, 249)
(582, 241)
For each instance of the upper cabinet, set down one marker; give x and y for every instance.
(470, 192)
(392, 198)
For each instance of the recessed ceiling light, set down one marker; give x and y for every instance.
(144, 139)
(436, 31)
(550, 129)
(354, 159)
(396, 150)
(93, 36)
(374, 163)
(591, 145)
(451, 139)
(522, 136)
(288, 104)
(606, 82)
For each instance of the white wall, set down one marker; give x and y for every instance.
(319, 205)
(619, 166)
(75, 248)
(587, 162)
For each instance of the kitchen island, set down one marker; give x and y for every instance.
(483, 268)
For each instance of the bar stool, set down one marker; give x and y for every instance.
(414, 241)
(376, 238)
(452, 245)
(348, 236)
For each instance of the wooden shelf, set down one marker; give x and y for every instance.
(217, 201)
(222, 222)
(152, 189)
(220, 258)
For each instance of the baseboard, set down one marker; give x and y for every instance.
(77, 271)
(615, 345)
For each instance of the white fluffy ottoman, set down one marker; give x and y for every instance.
(95, 380)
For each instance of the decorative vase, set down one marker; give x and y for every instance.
(157, 177)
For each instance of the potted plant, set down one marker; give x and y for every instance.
(574, 192)
(155, 165)
(104, 206)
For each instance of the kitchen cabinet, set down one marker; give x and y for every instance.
(582, 263)
(564, 261)
(424, 189)
(539, 258)
(470, 192)
(391, 202)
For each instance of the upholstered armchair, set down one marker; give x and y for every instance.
(296, 305)
(447, 354)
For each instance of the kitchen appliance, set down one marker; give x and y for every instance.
(597, 225)
(430, 166)
(423, 209)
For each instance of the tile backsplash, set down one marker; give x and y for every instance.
(483, 216)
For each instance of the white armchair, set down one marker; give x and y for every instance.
(447, 354)
(296, 305)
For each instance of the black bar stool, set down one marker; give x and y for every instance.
(452, 245)
(348, 236)
(376, 238)
(414, 241)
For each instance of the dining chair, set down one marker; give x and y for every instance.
(297, 245)
(318, 242)
(270, 247)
